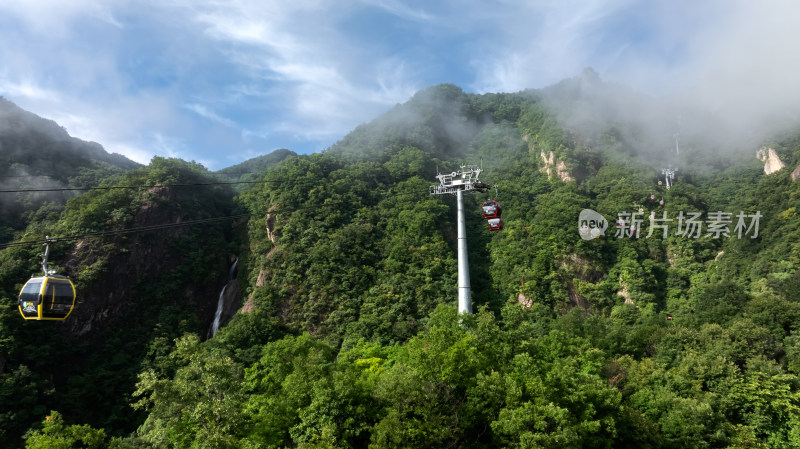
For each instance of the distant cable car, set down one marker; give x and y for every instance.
(48, 297)
(661, 202)
(652, 196)
(491, 209)
(495, 224)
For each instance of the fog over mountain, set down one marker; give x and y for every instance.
(221, 83)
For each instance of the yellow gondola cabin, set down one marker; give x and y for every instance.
(49, 297)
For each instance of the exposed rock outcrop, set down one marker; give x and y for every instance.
(118, 275)
(796, 173)
(524, 300)
(625, 293)
(563, 173)
(580, 269)
(250, 305)
(769, 157)
(269, 223)
(551, 167)
(575, 298)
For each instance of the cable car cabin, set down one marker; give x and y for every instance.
(491, 209)
(495, 224)
(47, 298)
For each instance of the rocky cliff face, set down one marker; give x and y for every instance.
(769, 157)
(124, 276)
(551, 167)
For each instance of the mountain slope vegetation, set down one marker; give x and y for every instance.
(137, 291)
(247, 170)
(645, 337)
(37, 153)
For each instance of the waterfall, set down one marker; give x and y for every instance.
(221, 301)
(218, 313)
(232, 271)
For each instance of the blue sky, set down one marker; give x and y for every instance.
(219, 82)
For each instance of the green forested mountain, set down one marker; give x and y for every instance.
(676, 335)
(249, 169)
(37, 153)
(138, 291)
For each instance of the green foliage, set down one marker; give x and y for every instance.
(21, 396)
(57, 434)
(301, 395)
(201, 406)
(145, 281)
(348, 264)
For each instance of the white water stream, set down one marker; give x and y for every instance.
(221, 302)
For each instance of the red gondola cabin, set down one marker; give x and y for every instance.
(495, 224)
(491, 209)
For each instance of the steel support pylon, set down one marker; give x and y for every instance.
(464, 296)
(456, 183)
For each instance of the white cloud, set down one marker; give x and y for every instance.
(28, 90)
(401, 9)
(166, 146)
(737, 58)
(134, 153)
(296, 45)
(752, 52)
(55, 17)
(203, 111)
(287, 61)
(540, 43)
(206, 75)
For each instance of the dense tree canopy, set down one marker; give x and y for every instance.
(649, 336)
